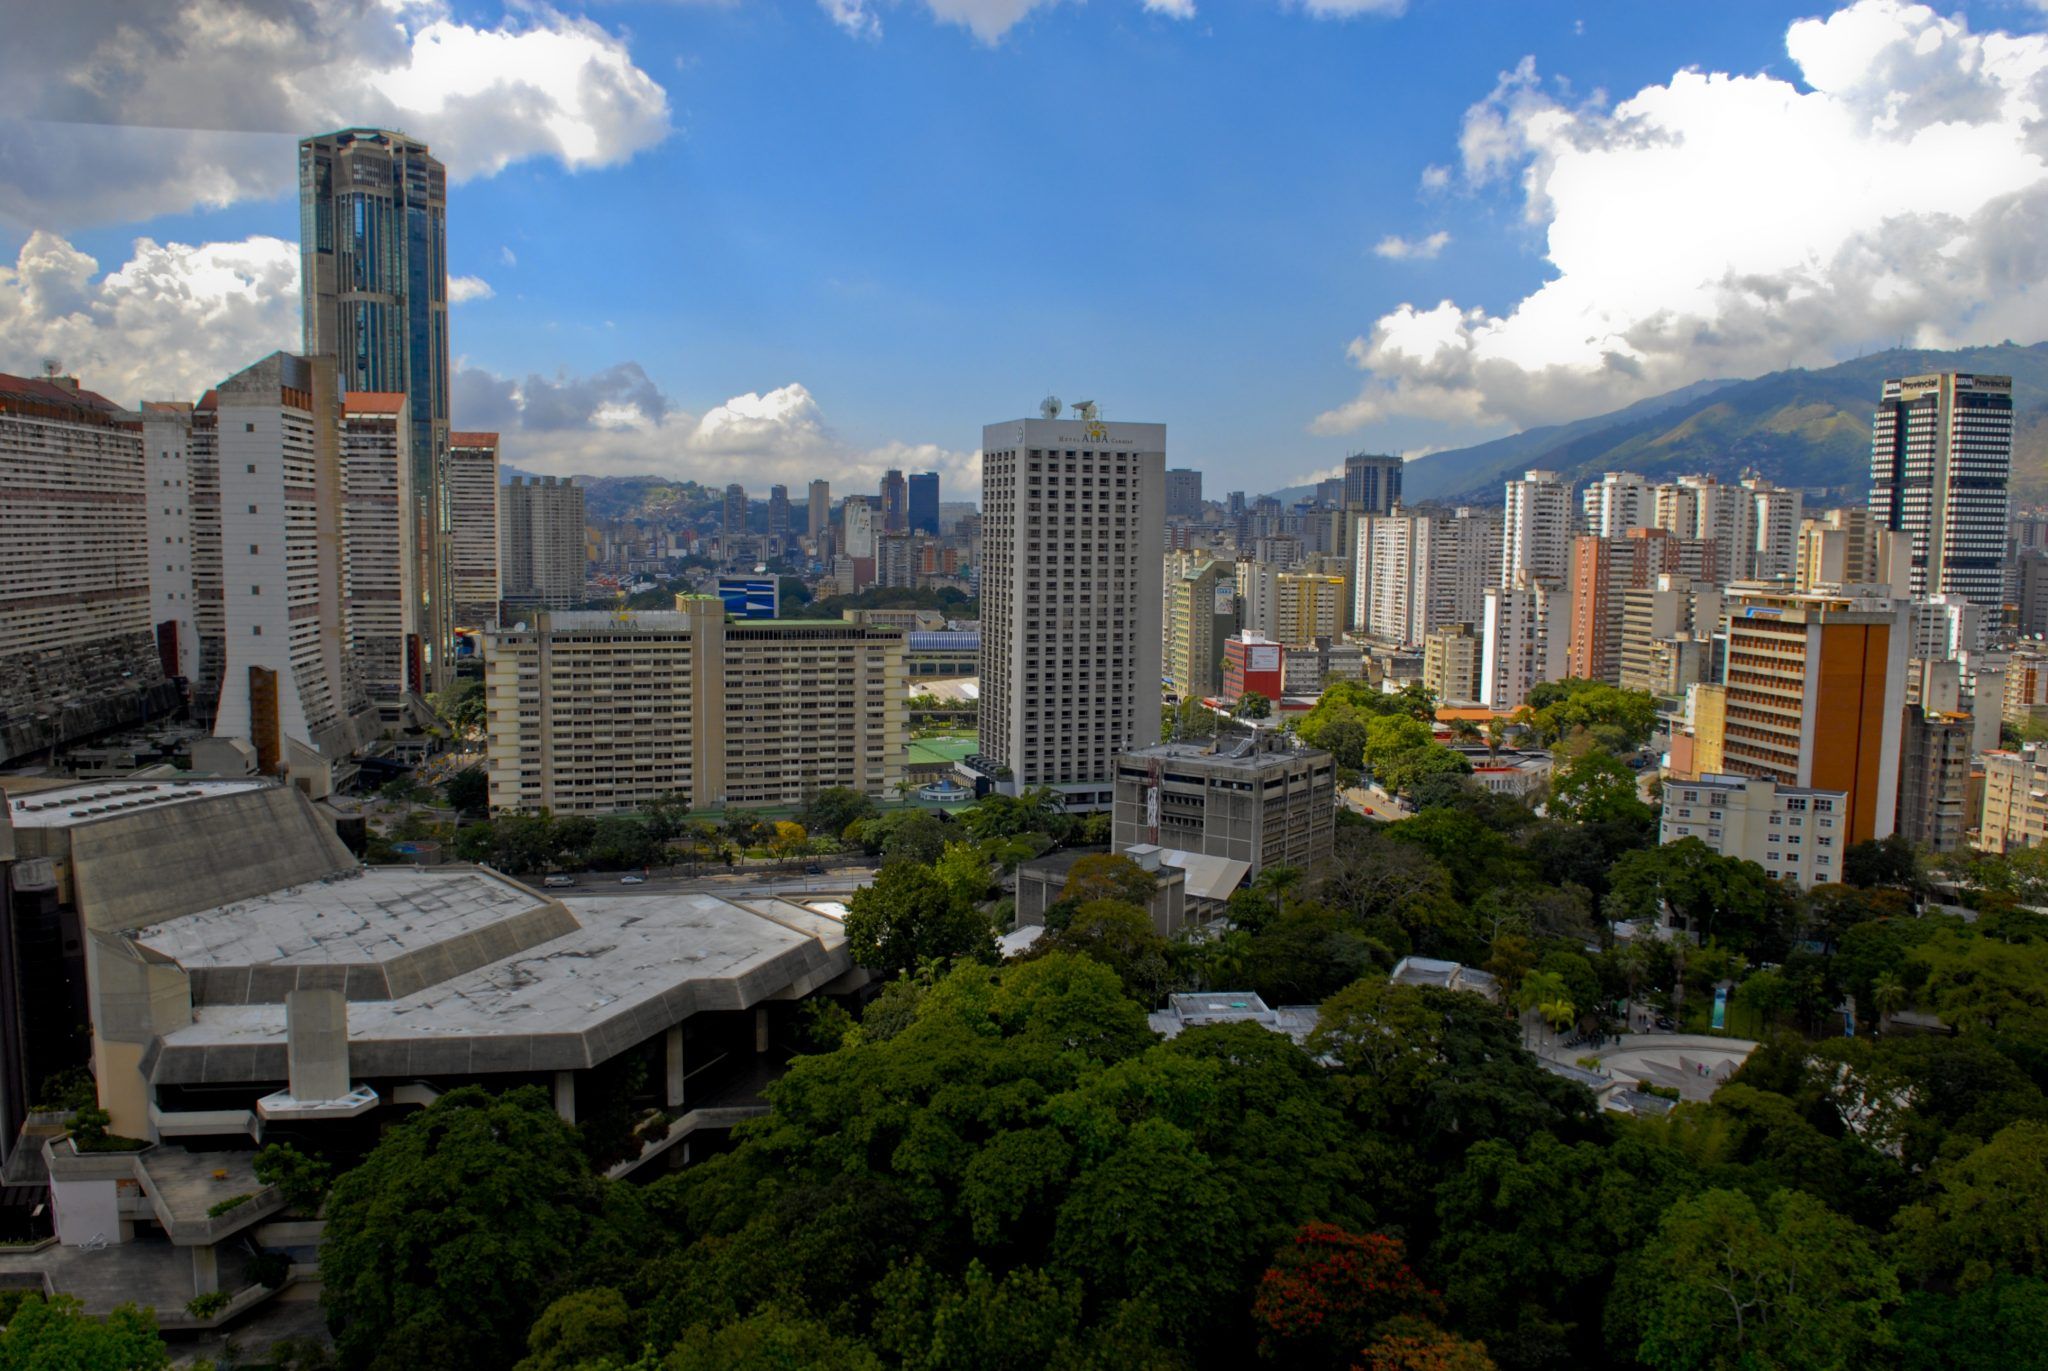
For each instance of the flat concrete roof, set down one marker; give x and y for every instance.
(86, 801)
(1233, 754)
(632, 967)
(375, 914)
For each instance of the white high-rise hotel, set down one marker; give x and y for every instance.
(1073, 527)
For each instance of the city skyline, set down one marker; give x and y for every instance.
(1441, 279)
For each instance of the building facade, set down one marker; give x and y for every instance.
(540, 543)
(1072, 556)
(473, 526)
(1419, 570)
(373, 254)
(1451, 660)
(595, 712)
(1183, 493)
(819, 509)
(1940, 464)
(1372, 484)
(2015, 799)
(922, 495)
(1523, 634)
(1242, 799)
(1200, 612)
(376, 482)
(1792, 832)
(1536, 532)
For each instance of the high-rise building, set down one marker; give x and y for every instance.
(1183, 493)
(373, 254)
(1793, 833)
(1419, 570)
(1290, 606)
(923, 497)
(1536, 532)
(173, 598)
(376, 440)
(778, 511)
(289, 683)
(1266, 806)
(593, 711)
(1815, 685)
(1778, 515)
(78, 638)
(1604, 570)
(1665, 630)
(1372, 484)
(896, 560)
(1934, 761)
(895, 503)
(1451, 662)
(2015, 799)
(473, 526)
(1676, 508)
(1940, 463)
(1070, 577)
(1522, 637)
(1847, 547)
(1726, 516)
(857, 528)
(1201, 611)
(732, 525)
(541, 546)
(820, 509)
(1618, 502)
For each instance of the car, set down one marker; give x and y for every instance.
(558, 881)
(632, 878)
(1665, 1023)
(814, 870)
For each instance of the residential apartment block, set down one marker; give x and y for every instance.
(594, 711)
(376, 483)
(540, 543)
(2015, 799)
(1419, 570)
(473, 527)
(1200, 612)
(1792, 832)
(1243, 799)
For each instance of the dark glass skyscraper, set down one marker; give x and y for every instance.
(924, 503)
(373, 270)
(895, 503)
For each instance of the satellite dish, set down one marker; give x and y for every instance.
(1050, 407)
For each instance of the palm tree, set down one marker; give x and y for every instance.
(1544, 993)
(1465, 731)
(1887, 997)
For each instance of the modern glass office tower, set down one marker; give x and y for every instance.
(373, 255)
(1940, 464)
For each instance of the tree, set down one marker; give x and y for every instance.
(790, 839)
(1108, 876)
(1252, 705)
(448, 1238)
(963, 868)
(1888, 861)
(1596, 787)
(1330, 1292)
(1727, 1284)
(1120, 936)
(835, 809)
(580, 1329)
(1544, 994)
(908, 917)
(908, 835)
(1713, 896)
(1888, 995)
(467, 791)
(301, 1179)
(56, 1334)
(1989, 1210)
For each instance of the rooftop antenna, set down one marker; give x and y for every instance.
(1050, 407)
(53, 367)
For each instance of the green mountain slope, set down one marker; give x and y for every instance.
(1798, 428)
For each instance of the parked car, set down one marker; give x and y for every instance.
(632, 878)
(814, 870)
(558, 880)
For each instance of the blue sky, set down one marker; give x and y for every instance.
(921, 231)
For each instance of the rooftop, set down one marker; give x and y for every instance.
(1237, 753)
(67, 805)
(934, 750)
(1183, 1012)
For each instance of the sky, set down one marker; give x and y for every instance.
(766, 240)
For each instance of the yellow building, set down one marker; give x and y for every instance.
(595, 712)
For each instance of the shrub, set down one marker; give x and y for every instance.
(228, 1205)
(211, 1303)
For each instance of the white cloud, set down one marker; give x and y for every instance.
(171, 321)
(508, 257)
(989, 20)
(1725, 225)
(1352, 9)
(1435, 178)
(176, 104)
(1399, 249)
(462, 289)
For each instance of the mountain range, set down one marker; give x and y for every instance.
(1804, 428)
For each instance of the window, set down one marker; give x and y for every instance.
(249, 428)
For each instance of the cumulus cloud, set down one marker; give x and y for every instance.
(171, 321)
(1726, 225)
(1397, 248)
(462, 289)
(617, 422)
(175, 104)
(987, 20)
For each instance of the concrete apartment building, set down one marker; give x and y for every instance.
(1183, 493)
(596, 712)
(1420, 570)
(1200, 612)
(540, 545)
(376, 441)
(1536, 530)
(1792, 832)
(2015, 799)
(1814, 692)
(1779, 514)
(78, 640)
(1847, 547)
(1523, 634)
(1073, 512)
(818, 509)
(473, 527)
(1617, 503)
(1290, 606)
(289, 681)
(1726, 516)
(1940, 464)
(173, 597)
(1666, 633)
(1247, 799)
(373, 210)
(1604, 571)
(1451, 663)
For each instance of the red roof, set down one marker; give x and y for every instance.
(374, 401)
(470, 439)
(43, 390)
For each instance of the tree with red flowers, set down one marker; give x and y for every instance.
(1328, 1292)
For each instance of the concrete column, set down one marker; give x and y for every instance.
(674, 1042)
(205, 1271)
(565, 1095)
(761, 1028)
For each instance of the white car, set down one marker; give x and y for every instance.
(557, 882)
(630, 879)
